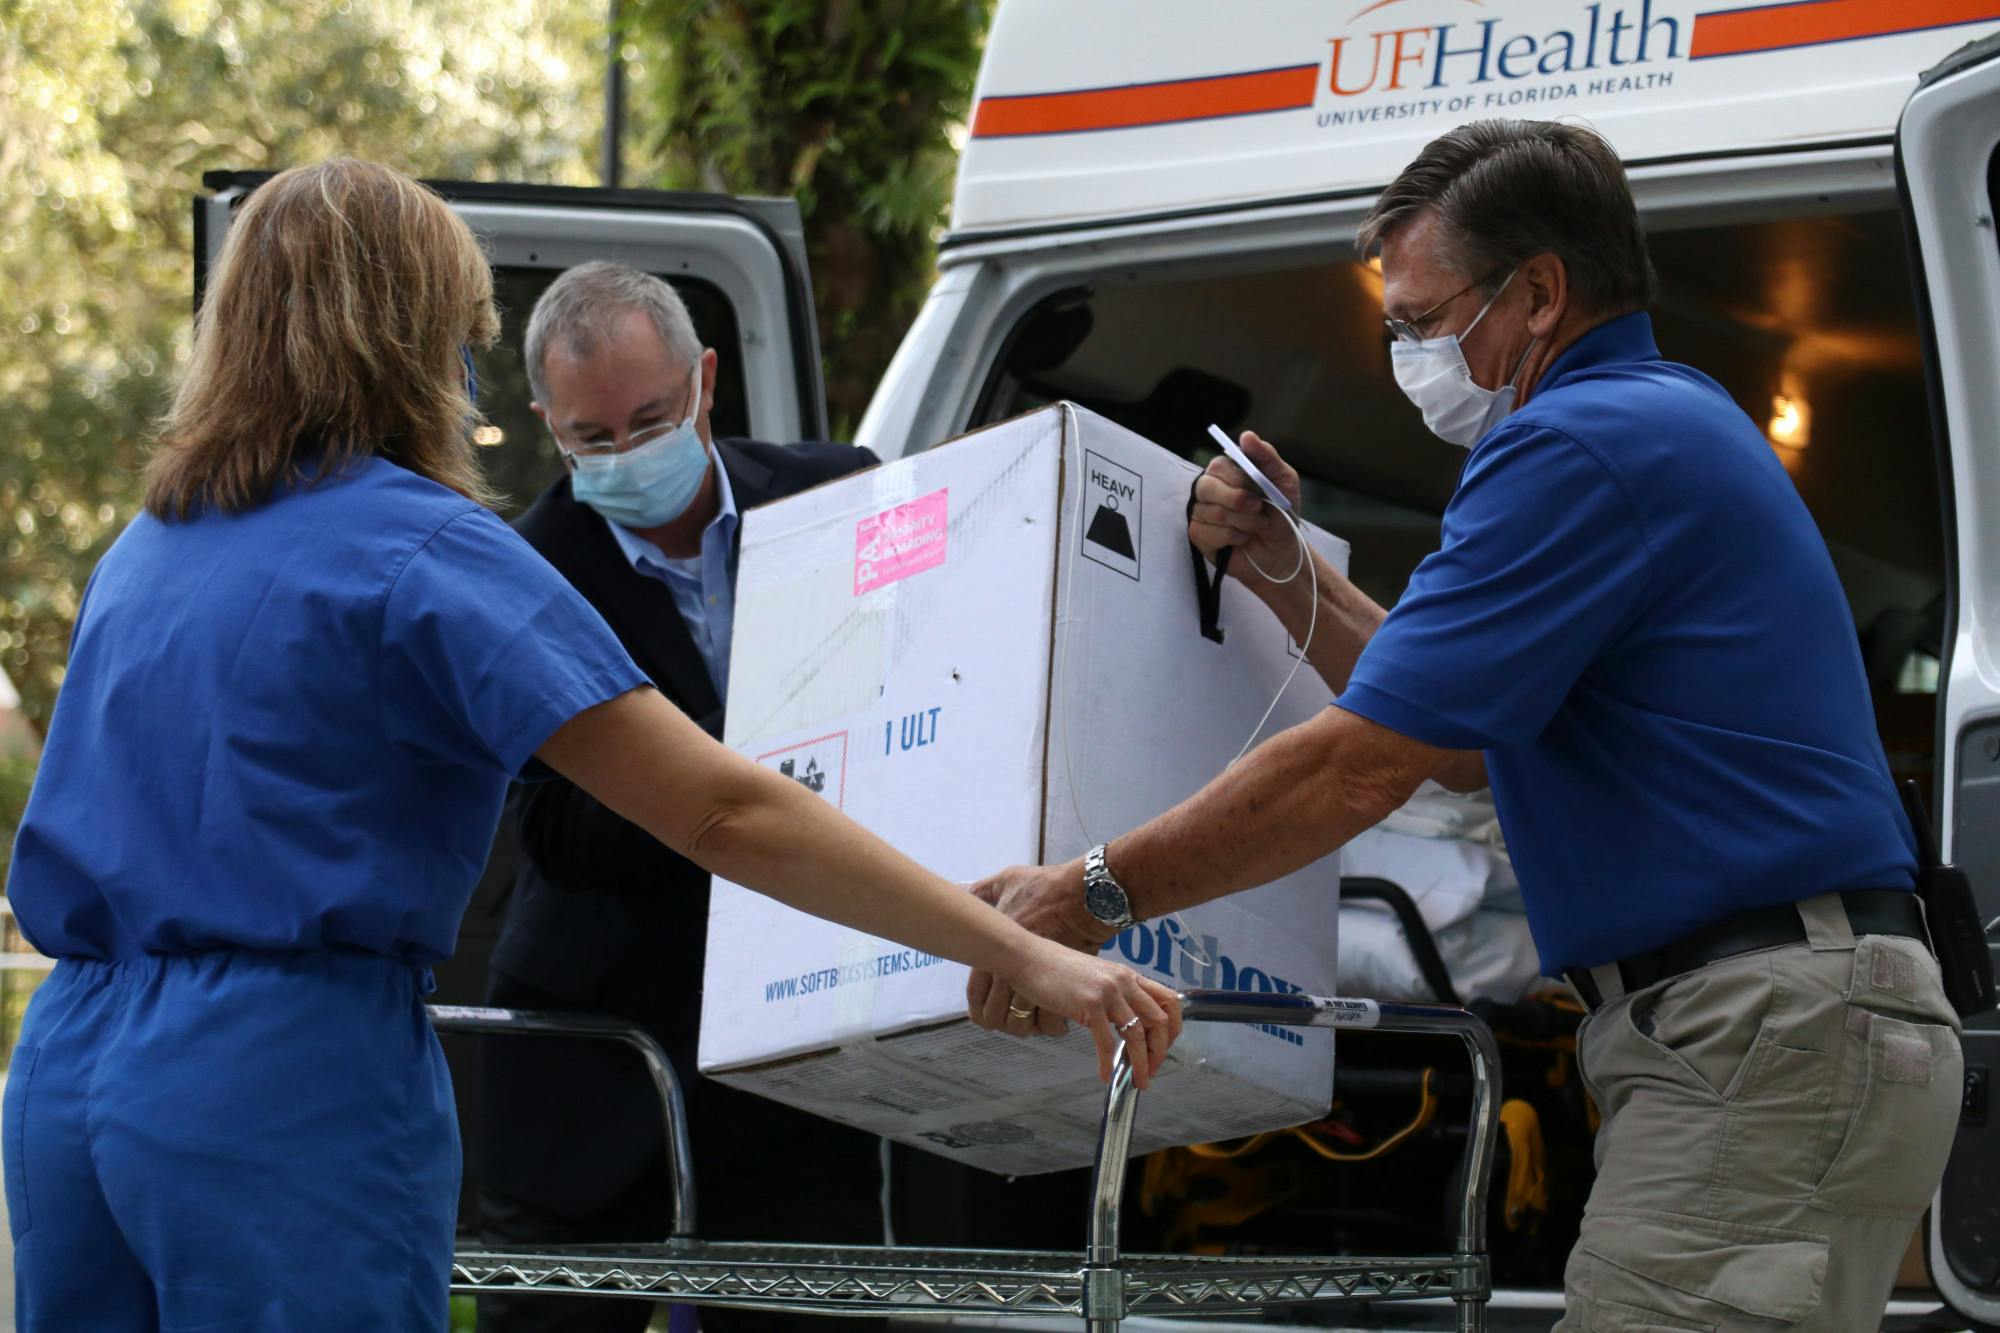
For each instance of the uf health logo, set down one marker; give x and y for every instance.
(1600, 36)
(1162, 948)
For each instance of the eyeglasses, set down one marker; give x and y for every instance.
(1411, 330)
(608, 448)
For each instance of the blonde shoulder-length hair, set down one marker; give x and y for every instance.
(331, 330)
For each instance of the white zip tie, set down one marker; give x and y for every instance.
(1312, 625)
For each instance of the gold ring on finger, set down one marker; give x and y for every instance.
(1016, 1011)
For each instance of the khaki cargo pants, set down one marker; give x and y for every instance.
(1773, 1125)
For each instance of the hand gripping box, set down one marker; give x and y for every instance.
(991, 654)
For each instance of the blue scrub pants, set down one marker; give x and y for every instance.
(230, 1142)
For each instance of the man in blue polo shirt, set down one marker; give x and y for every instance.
(1633, 631)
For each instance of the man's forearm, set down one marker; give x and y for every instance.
(1292, 800)
(1347, 618)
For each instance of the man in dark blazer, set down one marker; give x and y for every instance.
(603, 919)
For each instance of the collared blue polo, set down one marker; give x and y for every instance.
(291, 728)
(1633, 615)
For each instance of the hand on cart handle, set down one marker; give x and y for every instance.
(1114, 1002)
(1047, 901)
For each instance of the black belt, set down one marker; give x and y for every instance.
(1869, 912)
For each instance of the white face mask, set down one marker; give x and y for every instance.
(1432, 374)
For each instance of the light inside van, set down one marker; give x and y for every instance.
(1369, 274)
(488, 435)
(1790, 422)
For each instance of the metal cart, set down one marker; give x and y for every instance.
(1100, 1286)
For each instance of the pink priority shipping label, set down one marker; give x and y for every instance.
(899, 542)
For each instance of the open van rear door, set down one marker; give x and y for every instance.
(740, 264)
(1946, 151)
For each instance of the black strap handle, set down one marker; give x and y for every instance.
(1207, 588)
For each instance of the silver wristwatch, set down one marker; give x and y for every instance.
(1103, 895)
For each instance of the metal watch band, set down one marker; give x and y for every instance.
(1103, 896)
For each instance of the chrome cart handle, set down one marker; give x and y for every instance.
(1104, 1296)
(530, 1023)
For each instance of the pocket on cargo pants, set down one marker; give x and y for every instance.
(1636, 1269)
(1902, 1099)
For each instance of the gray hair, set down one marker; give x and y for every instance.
(1507, 190)
(581, 306)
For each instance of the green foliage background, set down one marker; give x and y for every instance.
(110, 110)
(847, 105)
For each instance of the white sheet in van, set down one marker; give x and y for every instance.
(1448, 878)
(1444, 849)
(1489, 955)
(1437, 813)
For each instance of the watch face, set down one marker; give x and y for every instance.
(1106, 902)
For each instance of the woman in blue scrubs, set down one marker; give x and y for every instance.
(299, 686)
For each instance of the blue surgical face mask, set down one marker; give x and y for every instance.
(653, 482)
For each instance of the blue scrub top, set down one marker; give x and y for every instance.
(292, 727)
(1634, 616)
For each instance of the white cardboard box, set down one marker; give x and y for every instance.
(990, 654)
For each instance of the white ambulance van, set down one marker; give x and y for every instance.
(1154, 218)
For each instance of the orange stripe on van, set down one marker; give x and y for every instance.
(1735, 32)
(1133, 105)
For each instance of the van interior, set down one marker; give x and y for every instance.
(1806, 321)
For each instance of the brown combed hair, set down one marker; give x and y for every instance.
(1508, 190)
(330, 331)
